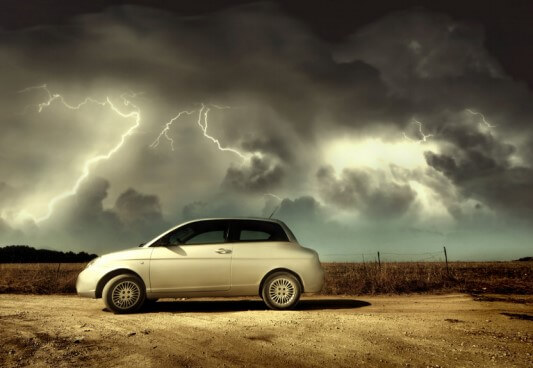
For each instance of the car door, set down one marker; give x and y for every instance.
(257, 247)
(193, 257)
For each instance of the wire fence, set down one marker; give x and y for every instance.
(379, 257)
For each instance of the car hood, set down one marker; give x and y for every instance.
(130, 254)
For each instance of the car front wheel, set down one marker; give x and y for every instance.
(281, 290)
(124, 294)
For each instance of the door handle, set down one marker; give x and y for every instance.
(223, 251)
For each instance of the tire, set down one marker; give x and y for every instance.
(124, 294)
(281, 290)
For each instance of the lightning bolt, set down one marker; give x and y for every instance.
(273, 196)
(203, 119)
(54, 96)
(164, 132)
(487, 124)
(204, 111)
(424, 136)
(86, 169)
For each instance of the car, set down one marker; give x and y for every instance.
(207, 258)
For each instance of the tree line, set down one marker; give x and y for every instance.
(27, 254)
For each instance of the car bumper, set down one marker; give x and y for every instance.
(86, 283)
(314, 282)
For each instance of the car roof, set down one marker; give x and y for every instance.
(236, 218)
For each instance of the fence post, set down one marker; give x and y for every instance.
(379, 261)
(446, 258)
(57, 275)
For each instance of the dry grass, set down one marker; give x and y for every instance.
(341, 278)
(426, 277)
(39, 278)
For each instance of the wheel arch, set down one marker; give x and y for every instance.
(281, 269)
(108, 276)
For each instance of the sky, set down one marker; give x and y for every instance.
(402, 134)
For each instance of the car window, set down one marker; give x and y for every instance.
(201, 232)
(179, 235)
(215, 236)
(252, 230)
(290, 233)
(247, 235)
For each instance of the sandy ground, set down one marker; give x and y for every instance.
(385, 331)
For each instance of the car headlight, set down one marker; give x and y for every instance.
(92, 262)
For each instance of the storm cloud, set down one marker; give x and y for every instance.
(367, 191)
(259, 176)
(408, 126)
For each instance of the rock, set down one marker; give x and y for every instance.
(132, 334)
(452, 320)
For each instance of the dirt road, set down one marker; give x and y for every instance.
(384, 331)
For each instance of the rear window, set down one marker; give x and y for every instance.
(258, 231)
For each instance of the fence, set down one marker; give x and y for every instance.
(378, 257)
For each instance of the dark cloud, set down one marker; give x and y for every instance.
(273, 144)
(502, 188)
(258, 175)
(82, 221)
(194, 210)
(140, 211)
(441, 67)
(291, 95)
(425, 45)
(365, 190)
(442, 189)
(305, 207)
(479, 162)
(442, 163)
(302, 215)
(86, 210)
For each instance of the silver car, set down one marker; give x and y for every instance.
(207, 257)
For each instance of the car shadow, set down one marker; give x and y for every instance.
(247, 305)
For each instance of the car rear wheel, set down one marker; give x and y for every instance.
(281, 290)
(124, 294)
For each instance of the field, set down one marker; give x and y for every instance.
(385, 331)
(39, 278)
(426, 319)
(341, 278)
(428, 277)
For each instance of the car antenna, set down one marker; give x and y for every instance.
(273, 212)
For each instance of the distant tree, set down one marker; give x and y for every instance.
(525, 259)
(27, 254)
